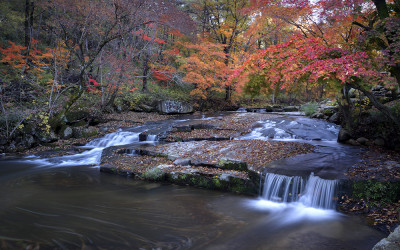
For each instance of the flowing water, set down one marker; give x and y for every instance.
(66, 203)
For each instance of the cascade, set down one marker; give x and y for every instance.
(282, 188)
(151, 138)
(315, 192)
(93, 155)
(114, 139)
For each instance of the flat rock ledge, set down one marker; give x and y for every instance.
(234, 165)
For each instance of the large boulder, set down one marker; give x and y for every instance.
(174, 107)
(335, 118)
(76, 116)
(392, 242)
(344, 135)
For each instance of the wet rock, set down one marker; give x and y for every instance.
(392, 242)
(182, 161)
(352, 142)
(363, 140)
(269, 109)
(143, 137)
(335, 118)
(256, 110)
(174, 107)
(344, 135)
(379, 142)
(318, 115)
(183, 129)
(226, 163)
(291, 109)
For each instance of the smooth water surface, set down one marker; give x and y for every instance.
(72, 207)
(66, 203)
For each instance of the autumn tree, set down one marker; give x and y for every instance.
(205, 68)
(223, 22)
(302, 61)
(87, 27)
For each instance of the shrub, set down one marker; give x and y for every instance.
(309, 108)
(376, 192)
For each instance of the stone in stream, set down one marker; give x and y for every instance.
(335, 118)
(290, 109)
(344, 135)
(392, 242)
(174, 107)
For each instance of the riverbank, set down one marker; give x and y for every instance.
(377, 185)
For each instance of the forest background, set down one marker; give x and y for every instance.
(66, 58)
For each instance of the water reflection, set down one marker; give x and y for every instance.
(75, 207)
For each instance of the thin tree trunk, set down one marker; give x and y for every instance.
(145, 71)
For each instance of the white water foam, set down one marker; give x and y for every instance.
(291, 201)
(152, 138)
(92, 156)
(114, 139)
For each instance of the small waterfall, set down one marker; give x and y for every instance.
(93, 155)
(114, 139)
(282, 188)
(319, 193)
(316, 192)
(151, 138)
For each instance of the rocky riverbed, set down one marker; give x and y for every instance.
(199, 152)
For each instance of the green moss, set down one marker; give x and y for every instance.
(328, 112)
(217, 182)
(154, 174)
(231, 164)
(377, 192)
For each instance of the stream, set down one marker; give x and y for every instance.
(66, 203)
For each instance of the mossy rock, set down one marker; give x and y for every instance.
(216, 182)
(154, 174)
(76, 116)
(328, 112)
(225, 163)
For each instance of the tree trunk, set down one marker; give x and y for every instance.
(228, 93)
(382, 108)
(381, 8)
(145, 71)
(28, 21)
(345, 108)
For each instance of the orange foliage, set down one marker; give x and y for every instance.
(205, 68)
(16, 57)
